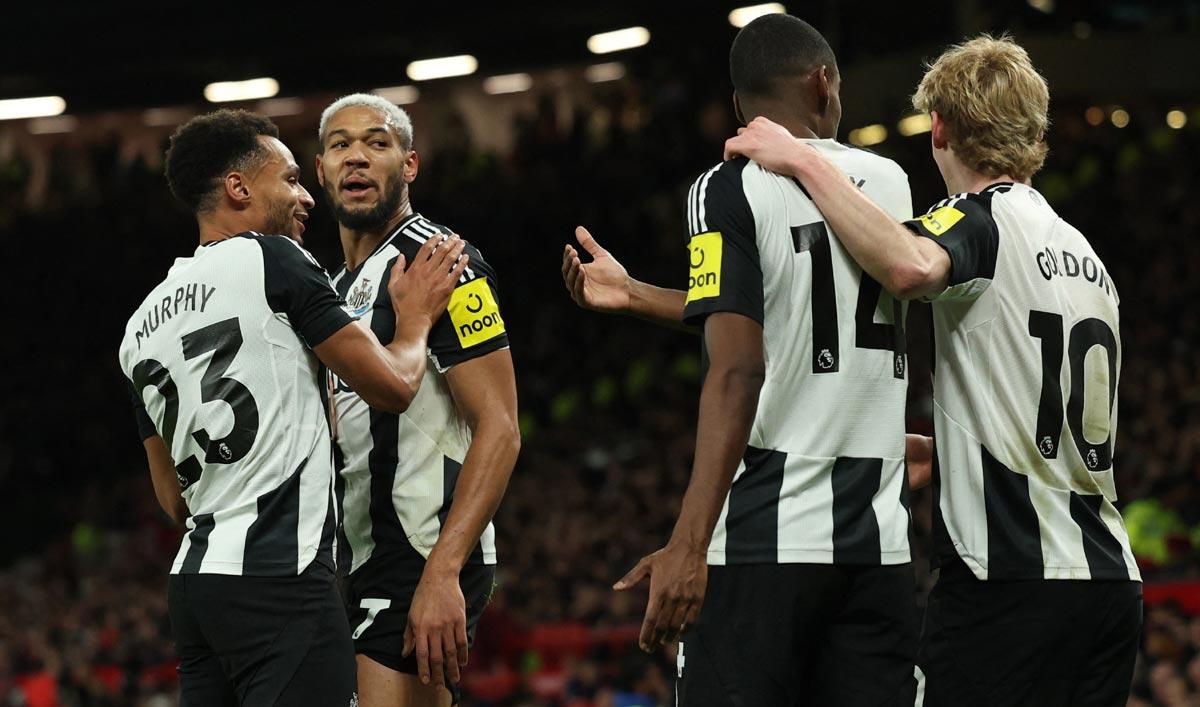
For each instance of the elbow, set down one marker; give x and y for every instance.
(745, 376)
(908, 281)
(394, 398)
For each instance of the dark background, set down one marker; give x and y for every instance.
(607, 405)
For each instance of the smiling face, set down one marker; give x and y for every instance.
(280, 203)
(364, 169)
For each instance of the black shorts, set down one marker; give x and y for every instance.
(271, 641)
(1059, 643)
(802, 634)
(379, 595)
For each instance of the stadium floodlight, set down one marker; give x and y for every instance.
(742, 16)
(1119, 117)
(599, 73)
(39, 107)
(868, 135)
(400, 95)
(274, 107)
(53, 124)
(1176, 119)
(442, 67)
(507, 83)
(914, 125)
(248, 90)
(618, 40)
(1094, 115)
(1043, 6)
(160, 117)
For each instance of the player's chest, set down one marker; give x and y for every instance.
(366, 289)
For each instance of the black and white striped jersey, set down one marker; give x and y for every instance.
(823, 478)
(1028, 355)
(397, 472)
(219, 357)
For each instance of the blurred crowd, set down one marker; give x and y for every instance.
(608, 405)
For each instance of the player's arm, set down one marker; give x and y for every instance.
(907, 266)
(604, 285)
(485, 393)
(918, 457)
(728, 401)
(162, 467)
(725, 294)
(165, 478)
(387, 376)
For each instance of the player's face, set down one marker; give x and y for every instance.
(280, 205)
(364, 169)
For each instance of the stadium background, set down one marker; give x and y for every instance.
(607, 405)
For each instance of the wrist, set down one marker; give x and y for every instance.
(689, 540)
(440, 569)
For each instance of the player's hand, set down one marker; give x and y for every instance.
(601, 285)
(918, 453)
(437, 628)
(424, 287)
(678, 578)
(770, 145)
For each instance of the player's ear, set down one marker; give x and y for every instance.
(237, 189)
(737, 108)
(822, 89)
(320, 173)
(937, 131)
(412, 164)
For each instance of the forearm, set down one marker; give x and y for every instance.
(657, 304)
(884, 248)
(477, 494)
(728, 402)
(407, 352)
(165, 479)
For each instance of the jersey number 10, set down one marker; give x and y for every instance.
(1084, 335)
(223, 339)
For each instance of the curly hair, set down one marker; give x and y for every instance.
(210, 146)
(994, 104)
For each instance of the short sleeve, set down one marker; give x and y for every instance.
(141, 418)
(963, 226)
(296, 286)
(472, 325)
(724, 272)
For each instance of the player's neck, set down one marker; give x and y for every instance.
(962, 179)
(358, 244)
(215, 228)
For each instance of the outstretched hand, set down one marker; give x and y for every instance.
(601, 285)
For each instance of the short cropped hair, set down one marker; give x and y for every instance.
(994, 103)
(210, 146)
(393, 114)
(774, 47)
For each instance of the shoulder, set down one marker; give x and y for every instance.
(413, 234)
(277, 248)
(967, 212)
(727, 173)
(863, 164)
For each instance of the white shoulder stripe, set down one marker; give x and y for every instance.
(422, 230)
(701, 192)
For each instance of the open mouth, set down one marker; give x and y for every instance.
(300, 218)
(357, 186)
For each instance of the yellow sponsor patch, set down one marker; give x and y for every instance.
(941, 220)
(474, 313)
(704, 259)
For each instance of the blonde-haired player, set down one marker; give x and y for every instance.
(1038, 601)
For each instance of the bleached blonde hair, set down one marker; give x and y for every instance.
(994, 103)
(394, 115)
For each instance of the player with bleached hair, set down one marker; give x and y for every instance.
(1038, 601)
